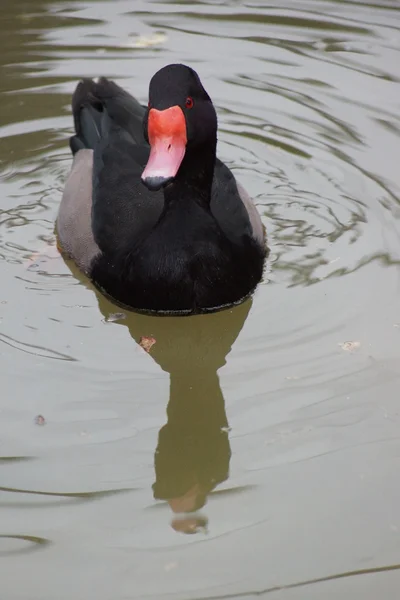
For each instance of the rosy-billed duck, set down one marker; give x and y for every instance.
(149, 213)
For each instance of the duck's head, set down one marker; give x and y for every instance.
(180, 120)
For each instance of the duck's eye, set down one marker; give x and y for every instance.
(189, 102)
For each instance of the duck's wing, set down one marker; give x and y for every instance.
(105, 205)
(74, 221)
(233, 208)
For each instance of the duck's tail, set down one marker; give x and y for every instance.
(87, 112)
(96, 106)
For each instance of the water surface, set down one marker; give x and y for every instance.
(277, 420)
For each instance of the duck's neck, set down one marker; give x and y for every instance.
(195, 176)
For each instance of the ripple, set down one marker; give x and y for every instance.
(35, 350)
(57, 498)
(299, 584)
(321, 212)
(26, 544)
(15, 459)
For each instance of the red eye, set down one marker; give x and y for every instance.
(189, 102)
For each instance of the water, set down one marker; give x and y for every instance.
(283, 413)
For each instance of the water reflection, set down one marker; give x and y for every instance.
(193, 451)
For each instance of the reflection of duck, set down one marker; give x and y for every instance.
(149, 212)
(193, 450)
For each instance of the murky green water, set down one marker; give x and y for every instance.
(281, 415)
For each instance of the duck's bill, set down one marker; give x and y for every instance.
(167, 137)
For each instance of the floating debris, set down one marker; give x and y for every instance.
(190, 525)
(350, 346)
(226, 429)
(147, 342)
(145, 41)
(112, 317)
(40, 420)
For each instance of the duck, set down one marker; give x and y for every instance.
(149, 213)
